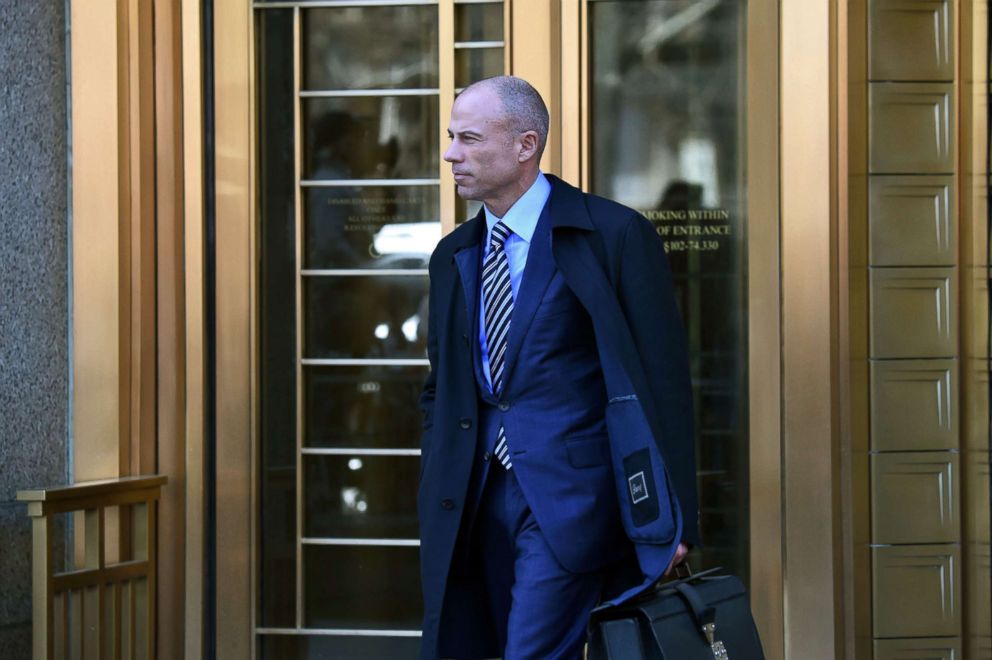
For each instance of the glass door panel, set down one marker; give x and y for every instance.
(666, 123)
(369, 226)
(370, 47)
(350, 205)
(363, 406)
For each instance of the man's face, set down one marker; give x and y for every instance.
(484, 152)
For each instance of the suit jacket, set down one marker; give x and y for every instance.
(602, 448)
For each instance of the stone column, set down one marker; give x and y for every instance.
(34, 287)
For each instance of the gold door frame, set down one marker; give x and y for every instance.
(764, 323)
(777, 252)
(811, 294)
(236, 309)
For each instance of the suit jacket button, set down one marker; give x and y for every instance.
(447, 505)
(486, 457)
(465, 423)
(465, 339)
(504, 406)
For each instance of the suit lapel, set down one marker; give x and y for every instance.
(537, 275)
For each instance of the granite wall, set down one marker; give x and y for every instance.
(34, 288)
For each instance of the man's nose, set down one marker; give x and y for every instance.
(451, 154)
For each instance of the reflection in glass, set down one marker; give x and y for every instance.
(370, 47)
(666, 132)
(375, 137)
(356, 496)
(474, 64)
(305, 647)
(479, 22)
(371, 226)
(362, 587)
(366, 317)
(277, 320)
(372, 407)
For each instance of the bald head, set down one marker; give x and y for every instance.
(498, 129)
(523, 107)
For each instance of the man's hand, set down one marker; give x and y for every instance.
(679, 557)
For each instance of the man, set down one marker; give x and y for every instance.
(557, 464)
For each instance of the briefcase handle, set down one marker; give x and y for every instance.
(683, 571)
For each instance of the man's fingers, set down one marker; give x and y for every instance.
(680, 554)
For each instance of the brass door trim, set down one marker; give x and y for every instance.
(446, 98)
(192, 148)
(300, 407)
(127, 110)
(338, 632)
(170, 324)
(533, 39)
(968, 263)
(98, 203)
(973, 182)
(764, 291)
(811, 476)
(113, 246)
(573, 93)
(235, 327)
(853, 365)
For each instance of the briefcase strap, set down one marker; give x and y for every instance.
(705, 616)
(702, 612)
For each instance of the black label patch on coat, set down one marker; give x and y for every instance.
(641, 487)
(638, 488)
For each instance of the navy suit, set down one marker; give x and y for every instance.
(596, 404)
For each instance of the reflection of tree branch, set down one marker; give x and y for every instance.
(664, 30)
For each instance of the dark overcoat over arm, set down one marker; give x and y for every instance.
(611, 254)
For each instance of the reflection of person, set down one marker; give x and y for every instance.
(334, 156)
(342, 221)
(681, 195)
(558, 457)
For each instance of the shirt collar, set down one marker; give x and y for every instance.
(522, 217)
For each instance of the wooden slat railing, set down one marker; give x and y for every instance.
(98, 610)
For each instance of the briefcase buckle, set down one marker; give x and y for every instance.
(719, 650)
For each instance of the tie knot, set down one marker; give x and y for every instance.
(499, 235)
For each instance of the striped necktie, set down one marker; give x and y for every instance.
(497, 295)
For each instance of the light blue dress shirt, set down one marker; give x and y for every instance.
(522, 219)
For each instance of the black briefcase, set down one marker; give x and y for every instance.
(705, 616)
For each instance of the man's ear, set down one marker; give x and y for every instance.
(529, 145)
